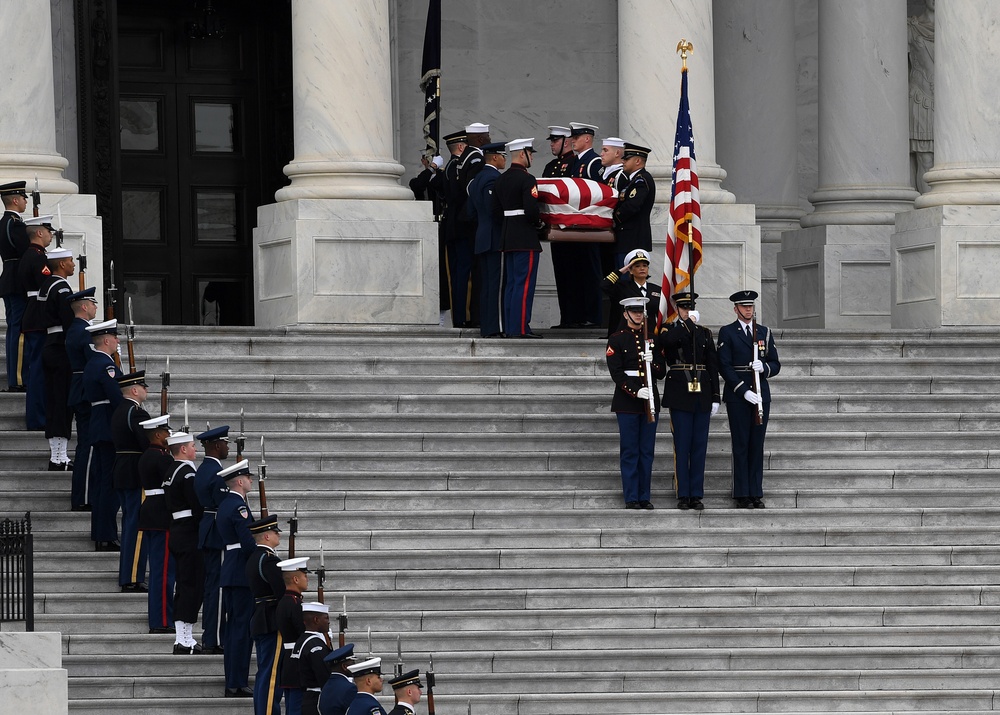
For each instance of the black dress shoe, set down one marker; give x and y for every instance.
(107, 546)
(697, 505)
(743, 503)
(758, 503)
(56, 467)
(683, 503)
(81, 507)
(239, 692)
(631, 505)
(134, 588)
(162, 630)
(646, 504)
(180, 649)
(212, 650)
(16, 388)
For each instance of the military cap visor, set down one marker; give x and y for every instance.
(456, 137)
(217, 434)
(744, 297)
(268, 523)
(341, 654)
(635, 150)
(406, 679)
(684, 300)
(133, 378)
(87, 294)
(636, 304)
(240, 469)
(15, 188)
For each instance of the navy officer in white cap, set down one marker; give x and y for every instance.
(745, 348)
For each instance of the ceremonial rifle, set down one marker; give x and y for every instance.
(241, 440)
(758, 418)
(398, 668)
(293, 526)
(130, 337)
(36, 199)
(81, 262)
(164, 387)
(321, 574)
(109, 305)
(651, 401)
(59, 230)
(262, 472)
(342, 623)
(187, 427)
(430, 686)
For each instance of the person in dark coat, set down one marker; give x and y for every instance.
(185, 516)
(515, 203)
(289, 619)
(130, 442)
(268, 586)
(339, 691)
(628, 356)
(78, 352)
(56, 314)
(13, 244)
(637, 285)
(154, 522)
(368, 677)
(635, 203)
(211, 490)
(309, 654)
(488, 235)
(31, 272)
(743, 352)
(407, 689)
(691, 393)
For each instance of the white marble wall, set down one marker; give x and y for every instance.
(32, 679)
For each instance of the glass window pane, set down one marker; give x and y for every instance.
(221, 301)
(147, 299)
(141, 212)
(140, 124)
(213, 127)
(216, 217)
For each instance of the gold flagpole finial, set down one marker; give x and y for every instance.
(684, 48)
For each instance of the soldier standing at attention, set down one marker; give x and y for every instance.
(100, 389)
(130, 442)
(78, 352)
(628, 357)
(13, 244)
(636, 195)
(309, 652)
(154, 522)
(738, 345)
(31, 272)
(268, 586)
(691, 393)
(211, 490)
(56, 315)
(339, 690)
(368, 677)
(233, 522)
(407, 688)
(185, 515)
(289, 618)
(489, 259)
(515, 202)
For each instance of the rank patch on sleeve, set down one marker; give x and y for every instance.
(610, 351)
(534, 191)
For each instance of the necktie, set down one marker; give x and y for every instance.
(748, 332)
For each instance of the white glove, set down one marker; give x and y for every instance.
(694, 315)
(715, 409)
(438, 162)
(757, 366)
(648, 355)
(752, 397)
(643, 393)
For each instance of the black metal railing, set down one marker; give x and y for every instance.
(17, 572)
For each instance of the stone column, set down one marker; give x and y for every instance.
(344, 243)
(28, 135)
(755, 72)
(649, 77)
(946, 255)
(835, 272)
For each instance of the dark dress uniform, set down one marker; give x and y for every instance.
(130, 442)
(631, 215)
(560, 167)
(13, 244)
(365, 704)
(579, 263)
(460, 237)
(288, 616)
(310, 650)
(515, 203)
(337, 695)
(78, 352)
(689, 352)
(637, 436)
(54, 296)
(562, 252)
(487, 250)
(618, 287)
(402, 709)
(735, 355)
(233, 522)
(154, 523)
(267, 585)
(31, 271)
(211, 490)
(100, 389)
(185, 515)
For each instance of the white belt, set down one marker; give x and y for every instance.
(315, 690)
(100, 402)
(514, 212)
(54, 329)
(230, 547)
(181, 514)
(288, 646)
(32, 293)
(632, 373)
(152, 492)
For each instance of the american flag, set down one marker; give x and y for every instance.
(576, 203)
(684, 228)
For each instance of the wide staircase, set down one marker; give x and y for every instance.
(467, 498)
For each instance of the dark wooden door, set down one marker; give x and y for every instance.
(190, 163)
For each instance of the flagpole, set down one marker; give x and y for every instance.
(684, 48)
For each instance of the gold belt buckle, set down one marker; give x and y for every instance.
(694, 385)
